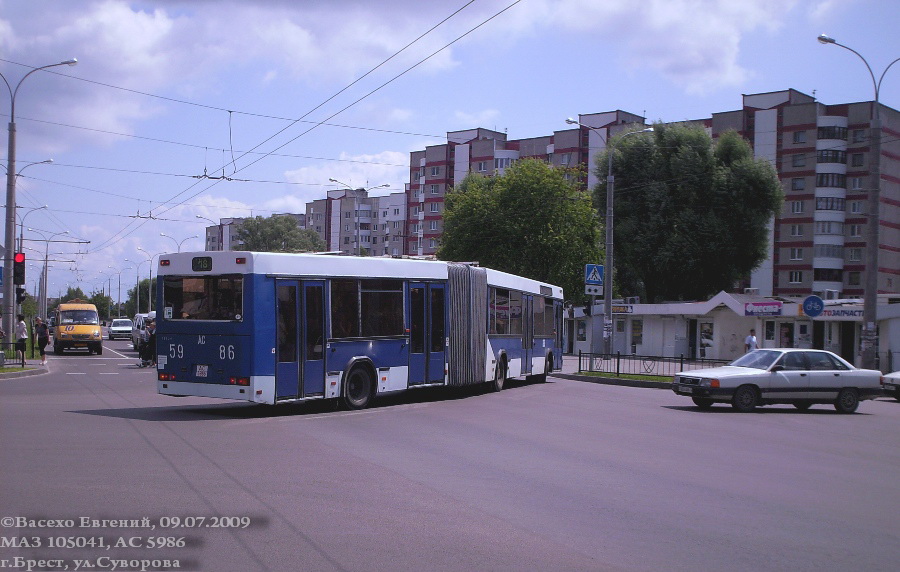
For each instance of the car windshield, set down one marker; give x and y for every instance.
(121, 323)
(757, 359)
(77, 317)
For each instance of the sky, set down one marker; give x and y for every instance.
(180, 109)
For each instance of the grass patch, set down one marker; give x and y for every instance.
(634, 376)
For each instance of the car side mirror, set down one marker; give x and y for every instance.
(777, 368)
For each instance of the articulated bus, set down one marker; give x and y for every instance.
(275, 328)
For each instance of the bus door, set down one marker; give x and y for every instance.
(527, 332)
(299, 339)
(427, 333)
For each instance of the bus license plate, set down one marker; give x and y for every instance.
(202, 370)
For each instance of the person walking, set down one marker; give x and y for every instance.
(42, 337)
(21, 338)
(750, 342)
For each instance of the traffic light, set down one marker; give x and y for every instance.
(19, 268)
(21, 295)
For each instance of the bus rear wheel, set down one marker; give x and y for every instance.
(359, 388)
(499, 376)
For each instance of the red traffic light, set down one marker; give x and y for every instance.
(19, 258)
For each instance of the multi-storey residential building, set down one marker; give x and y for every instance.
(823, 156)
(223, 236)
(352, 222)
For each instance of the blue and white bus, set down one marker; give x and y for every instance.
(275, 328)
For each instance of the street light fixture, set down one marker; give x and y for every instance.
(870, 295)
(10, 235)
(119, 296)
(177, 242)
(608, 328)
(22, 218)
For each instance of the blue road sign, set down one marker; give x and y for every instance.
(593, 275)
(813, 306)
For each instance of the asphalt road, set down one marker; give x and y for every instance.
(564, 475)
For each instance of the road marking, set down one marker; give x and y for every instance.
(76, 373)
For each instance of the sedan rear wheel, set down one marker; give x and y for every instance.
(847, 400)
(744, 398)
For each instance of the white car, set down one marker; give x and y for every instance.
(120, 328)
(796, 376)
(892, 384)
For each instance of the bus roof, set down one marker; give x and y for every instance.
(282, 264)
(76, 306)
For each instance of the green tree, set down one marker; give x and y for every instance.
(530, 221)
(104, 304)
(691, 214)
(278, 234)
(129, 306)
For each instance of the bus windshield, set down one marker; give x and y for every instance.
(79, 317)
(203, 297)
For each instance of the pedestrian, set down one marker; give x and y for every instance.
(21, 338)
(148, 347)
(750, 343)
(42, 337)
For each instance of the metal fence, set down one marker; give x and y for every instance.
(618, 364)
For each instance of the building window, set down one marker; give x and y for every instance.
(435, 189)
(433, 225)
(856, 183)
(796, 207)
(859, 135)
(799, 136)
(502, 162)
(416, 194)
(829, 204)
(565, 158)
(836, 180)
(854, 254)
(481, 166)
(795, 276)
(432, 243)
(796, 230)
(856, 160)
(396, 211)
(854, 278)
(435, 171)
(855, 230)
(798, 184)
(831, 156)
(833, 132)
(415, 211)
(798, 160)
(828, 275)
(796, 254)
(829, 227)
(435, 207)
(856, 207)
(829, 251)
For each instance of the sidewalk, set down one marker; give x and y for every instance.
(32, 367)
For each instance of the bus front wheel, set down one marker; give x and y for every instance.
(359, 388)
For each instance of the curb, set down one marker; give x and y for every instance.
(614, 381)
(36, 370)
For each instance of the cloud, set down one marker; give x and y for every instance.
(484, 118)
(368, 170)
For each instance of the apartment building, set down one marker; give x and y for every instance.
(223, 236)
(823, 155)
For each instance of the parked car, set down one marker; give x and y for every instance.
(796, 376)
(120, 328)
(892, 385)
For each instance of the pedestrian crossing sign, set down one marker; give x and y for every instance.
(593, 275)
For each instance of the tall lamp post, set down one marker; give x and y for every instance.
(47, 241)
(119, 296)
(22, 221)
(870, 296)
(150, 286)
(608, 328)
(9, 299)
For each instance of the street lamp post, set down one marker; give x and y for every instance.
(608, 329)
(47, 241)
(870, 296)
(150, 286)
(119, 296)
(9, 299)
(22, 220)
(177, 242)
